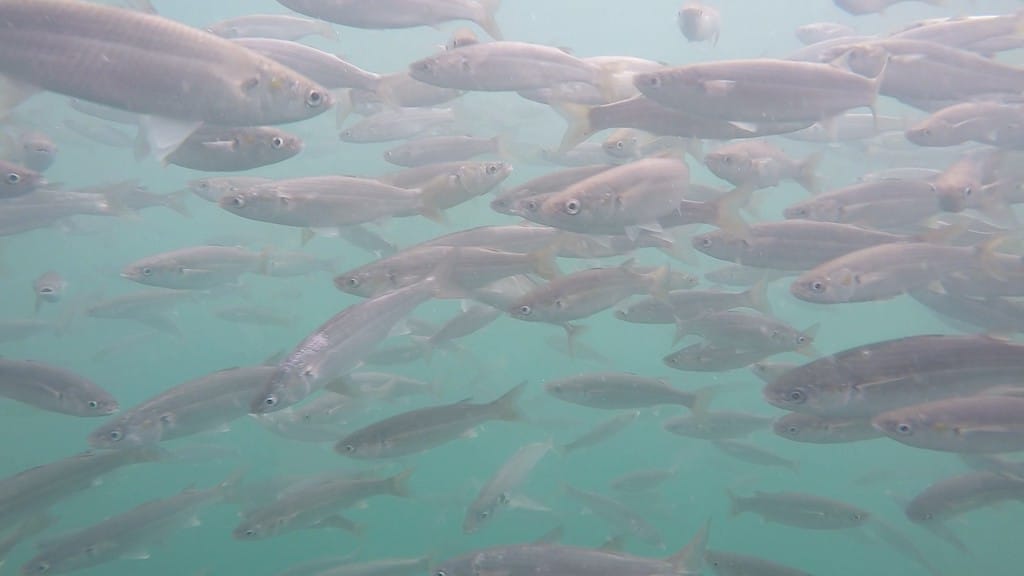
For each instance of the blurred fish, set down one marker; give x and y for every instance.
(430, 150)
(619, 515)
(253, 315)
(499, 491)
(316, 503)
(398, 124)
(731, 564)
(279, 26)
(799, 510)
(717, 425)
(601, 432)
(754, 455)
(699, 22)
(622, 390)
(859, 7)
(821, 31)
(32, 149)
(642, 480)
(49, 287)
(702, 357)
(213, 189)
(390, 14)
(951, 497)
(975, 424)
(149, 307)
(685, 304)
(824, 430)
(384, 567)
(127, 534)
(758, 164)
(380, 386)
(322, 419)
(423, 429)
(28, 528)
(326, 69)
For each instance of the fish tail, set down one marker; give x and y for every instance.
(446, 286)
(486, 19)
(325, 30)
(808, 175)
(572, 333)
(506, 407)
(690, 560)
(701, 399)
(677, 250)
(660, 282)
(727, 211)
(544, 263)
(176, 201)
(431, 202)
(578, 129)
(426, 346)
(399, 483)
(757, 297)
(735, 503)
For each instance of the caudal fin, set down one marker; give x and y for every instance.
(399, 483)
(507, 406)
(808, 175)
(577, 117)
(486, 19)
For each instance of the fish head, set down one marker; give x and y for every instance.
(571, 212)
(900, 425)
(278, 95)
(720, 244)
(795, 427)
(918, 512)
(826, 288)
(622, 146)
(793, 396)
(478, 515)
(16, 180)
(251, 529)
(528, 207)
(730, 166)
(146, 271)
(38, 566)
(92, 404)
(38, 152)
(480, 177)
(278, 145)
(866, 59)
(287, 386)
(934, 132)
(370, 281)
(430, 70)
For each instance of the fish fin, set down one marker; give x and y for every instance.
(506, 407)
(727, 209)
(943, 532)
(176, 201)
(327, 31)
(572, 332)
(486, 18)
(808, 174)
(690, 560)
(340, 522)
(757, 297)
(162, 136)
(399, 483)
(426, 346)
(544, 263)
(551, 536)
(444, 277)
(578, 129)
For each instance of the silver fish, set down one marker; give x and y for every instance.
(54, 389)
(499, 489)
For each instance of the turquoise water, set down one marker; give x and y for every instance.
(878, 475)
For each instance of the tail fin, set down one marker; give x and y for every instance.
(506, 407)
(808, 175)
(486, 19)
(727, 211)
(326, 30)
(176, 201)
(690, 560)
(577, 116)
(399, 483)
(757, 297)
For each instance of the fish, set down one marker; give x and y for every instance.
(384, 567)
(823, 430)
(758, 89)
(431, 150)
(422, 429)
(194, 406)
(54, 389)
(328, 70)
(392, 14)
(954, 496)
(752, 331)
(316, 503)
(380, 386)
(24, 494)
(622, 390)
(195, 267)
(32, 149)
(575, 561)
(861, 7)
(275, 26)
(149, 307)
(800, 510)
(26, 529)
(227, 149)
(322, 419)
(49, 288)
(123, 535)
(214, 188)
(865, 381)
(699, 22)
(716, 425)
(983, 122)
(724, 563)
(472, 318)
(499, 491)
(642, 480)
(599, 433)
(342, 342)
(769, 371)
(816, 32)
(287, 264)
(702, 357)
(973, 424)
(757, 164)
(617, 514)
(754, 455)
(225, 83)
(686, 304)
(398, 124)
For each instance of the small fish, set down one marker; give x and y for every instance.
(731, 564)
(16, 180)
(54, 389)
(49, 287)
(642, 480)
(601, 432)
(699, 22)
(499, 490)
(717, 425)
(195, 267)
(279, 26)
(821, 430)
(799, 510)
(622, 390)
(754, 455)
(617, 514)
(425, 428)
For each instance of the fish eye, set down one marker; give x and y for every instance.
(817, 286)
(348, 448)
(114, 435)
(352, 282)
(796, 396)
(440, 573)
(42, 567)
(620, 145)
(276, 142)
(559, 303)
(929, 516)
(727, 159)
(967, 191)
(801, 339)
(238, 201)
(250, 532)
(492, 169)
(654, 81)
(572, 207)
(93, 404)
(46, 290)
(483, 514)
(793, 430)
(147, 271)
(904, 428)
(250, 84)
(706, 242)
(13, 178)
(314, 98)
(525, 310)
(270, 400)
(530, 205)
